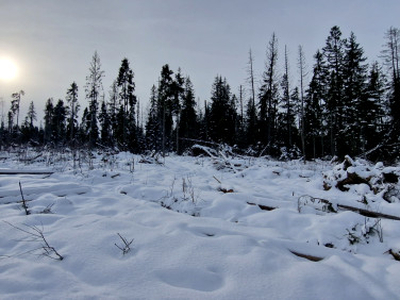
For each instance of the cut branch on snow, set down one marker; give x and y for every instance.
(37, 235)
(307, 256)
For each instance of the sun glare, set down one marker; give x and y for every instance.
(8, 69)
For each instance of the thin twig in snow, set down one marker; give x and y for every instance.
(126, 247)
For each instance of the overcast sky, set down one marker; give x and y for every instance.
(53, 41)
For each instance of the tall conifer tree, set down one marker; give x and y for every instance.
(94, 87)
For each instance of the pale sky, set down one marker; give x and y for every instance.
(52, 41)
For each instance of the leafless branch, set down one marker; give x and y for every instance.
(126, 247)
(24, 205)
(37, 235)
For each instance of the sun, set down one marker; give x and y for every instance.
(8, 69)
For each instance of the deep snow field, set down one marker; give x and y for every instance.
(197, 228)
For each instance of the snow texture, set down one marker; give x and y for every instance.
(198, 231)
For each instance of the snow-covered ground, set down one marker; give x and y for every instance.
(197, 228)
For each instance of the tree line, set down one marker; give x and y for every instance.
(347, 107)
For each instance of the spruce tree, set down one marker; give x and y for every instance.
(48, 121)
(73, 109)
(59, 123)
(375, 114)
(188, 127)
(84, 130)
(222, 113)
(165, 100)
(126, 116)
(354, 79)
(105, 124)
(391, 56)
(31, 115)
(269, 97)
(153, 125)
(113, 105)
(28, 131)
(286, 124)
(177, 89)
(204, 122)
(314, 119)
(334, 52)
(251, 122)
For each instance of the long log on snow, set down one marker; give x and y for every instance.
(361, 211)
(23, 172)
(368, 213)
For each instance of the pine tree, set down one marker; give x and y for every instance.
(251, 130)
(302, 73)
(94, 88)
(251, 78)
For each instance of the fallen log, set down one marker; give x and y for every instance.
(368, 213)
(361, 211)
(23, 172)
(263, 207)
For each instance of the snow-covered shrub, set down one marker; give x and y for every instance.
(377, 178)
(362, 233)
